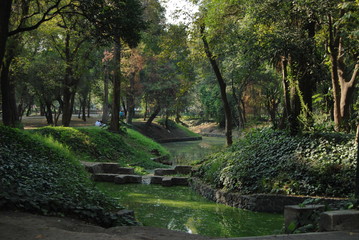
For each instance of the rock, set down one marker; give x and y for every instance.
(179, 181)
(156, 180)
(115, 168)
(104, 177)
(339, 220)
(183, 169)
(300, 216)
(167, 181)
(96, 167)
(123, 179)
(164, 171)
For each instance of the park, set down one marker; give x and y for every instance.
(232, 119)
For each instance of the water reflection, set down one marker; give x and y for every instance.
(181, 209)
(184, 153)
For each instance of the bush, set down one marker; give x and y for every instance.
(268, 161)
(41, 176)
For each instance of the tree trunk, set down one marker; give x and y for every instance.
(357, 170)
(115, 118)
(105, 110)
(5, 13)
(89, 105)
(131, 99)
(286, 96)
(146, 109)
(153, 116)
(343, 89)
(48, 114)
(9, 108)
(222, 86)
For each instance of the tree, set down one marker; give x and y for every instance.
(222, 86)
(29, 15)
(116, 22)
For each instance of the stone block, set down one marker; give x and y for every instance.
(156, 180)
(115, 168)
(183, 169)
(104, 177)
(167, 182)
(179, 181)
(339, 220)
(164, 172)
(300, 216)
(123, 179)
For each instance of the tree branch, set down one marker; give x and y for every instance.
(45, 17)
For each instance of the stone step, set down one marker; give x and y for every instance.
(180, 169)
(114, 168)
(339, 220)
(183, 169)
(164, 171)
(104, 177)
(169, 181)
(123, 179)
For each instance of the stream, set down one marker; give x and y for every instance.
(182, 209)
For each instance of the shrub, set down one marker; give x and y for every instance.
(268, 161)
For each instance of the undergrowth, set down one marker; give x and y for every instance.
(268, 161)
(40, 175)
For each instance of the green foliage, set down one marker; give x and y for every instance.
(40, 175)
(97, 144)
(268, 161)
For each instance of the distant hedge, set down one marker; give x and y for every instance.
(268, 161)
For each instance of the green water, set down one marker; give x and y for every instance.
(180, 208)
(187, 152)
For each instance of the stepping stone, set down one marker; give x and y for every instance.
(183, 169)
(156, 180)
(104, 177)
(123, 179)
(164, 171)
(114, 168)
(167, 182)
(179, 181)
(339, 220)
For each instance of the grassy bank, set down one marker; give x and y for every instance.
(96, 144)
(39, 175)
(268, 161)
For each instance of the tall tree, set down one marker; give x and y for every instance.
(222, 86)
(117, 22)
(17, 17)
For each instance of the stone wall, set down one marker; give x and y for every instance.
(271, 203)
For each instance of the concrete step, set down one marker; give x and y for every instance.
(339, 220)
(114, 168)
(123, 179)
(169, 181)
(180, 169)
(104, 177)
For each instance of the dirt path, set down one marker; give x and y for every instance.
(25, 226)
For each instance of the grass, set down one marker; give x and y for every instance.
(99, 145)
(41, 175)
